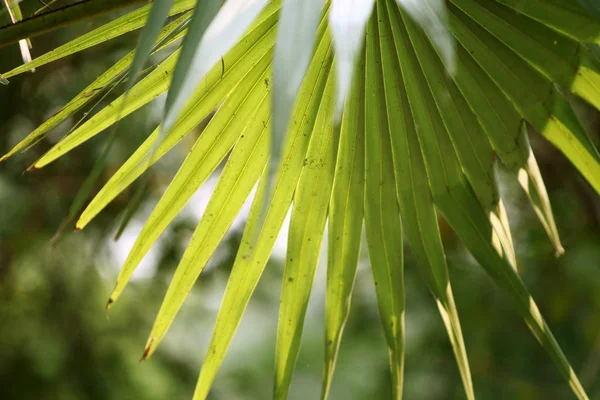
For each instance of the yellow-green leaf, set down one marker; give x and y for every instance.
(216, 86)
(239, 176)
(127, 23)
(90, 92)
(250, 261)
(307, 225)
(237, 114)
(345, 222)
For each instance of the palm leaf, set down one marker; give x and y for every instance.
(348, 20)
(209, 150)
(564, 16)
(382, 216)
(158, 14)
(307, 226)
(37, 25)
(15, 14)
(345, 223)
(110, 77)
(119, 26)
(428, 94)
(216, 86)
(416, 202)
(251, 260)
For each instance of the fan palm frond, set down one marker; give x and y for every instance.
(383, 112)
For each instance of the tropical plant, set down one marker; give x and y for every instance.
(389, 112)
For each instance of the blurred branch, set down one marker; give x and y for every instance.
(60, 17)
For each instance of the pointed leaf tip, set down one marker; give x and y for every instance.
(147, 350)
(109, 304)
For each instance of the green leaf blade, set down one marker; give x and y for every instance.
(419, 218)
(472, 147)
(240, 175)
(503, 124)
(91, 91)
(251, 260)
(382, 216)
(251, 53)
(459, 204)
(307, 225)
(296, 32)
(534, 97)
(149, 88)
(127, 23)
(224, 31)
(345, 223)
(565, 16)
(237, 114)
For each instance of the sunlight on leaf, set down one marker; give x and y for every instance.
(431, 16)
(212, 146)
(307, 227)
(108, 78)
(391, 113)
(348, 20)
(215, 86)
(15, 14)
(345, 223)
(117, 27)
(293, 51)
(251, 260)
(230, 23)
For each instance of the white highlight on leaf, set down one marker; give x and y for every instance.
(25, 54)
(348, 21)
(12, 9)
(432, 16)
(298, 22)
(231, 22)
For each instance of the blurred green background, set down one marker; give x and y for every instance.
(57, 343)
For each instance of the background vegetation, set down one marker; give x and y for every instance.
(55, 342)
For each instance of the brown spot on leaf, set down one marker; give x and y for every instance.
(147, 349)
